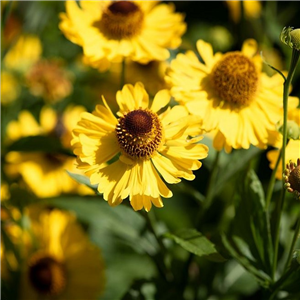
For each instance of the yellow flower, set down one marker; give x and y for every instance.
(48, 79)
(144, 145)
(230, 93)
(291, 154)
(252, 9)
(38, 168)
(51, 123)
(45, 173)
(10, 88)
(111, 30)
(64, 265)
(292, 151)
(24, 53)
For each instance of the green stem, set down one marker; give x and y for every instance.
(7, 12)
(160, 262)
(280, 203)
(211, 182)
(272, 181)
(122, 79)
(296, 235)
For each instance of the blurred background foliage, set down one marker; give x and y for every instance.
(130, 252)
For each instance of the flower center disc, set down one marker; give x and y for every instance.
(235, 78)
(121, 20)
(139, 133)
(47, 275)
(294, 179)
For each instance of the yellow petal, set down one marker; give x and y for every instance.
(249, 47)
(161, 99)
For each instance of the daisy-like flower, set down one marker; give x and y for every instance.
(130, 156)
(230, 93)
(108, 31)
(64, 264)
(45, 173)
(48, 79)
(292, 178)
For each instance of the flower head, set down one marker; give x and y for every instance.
(292, 177)
(291, 37)
(48, 79)
(129, 156)
(108, 31)
(63, 264)
(230, 93)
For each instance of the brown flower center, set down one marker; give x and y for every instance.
(139, 133)
(295, 179)
(235, 78)
(47, 275)
(121, 20)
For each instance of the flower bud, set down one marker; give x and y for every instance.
(292, 178)
(291, 37)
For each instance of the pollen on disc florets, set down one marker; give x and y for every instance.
(46, 274)
(235, 78)
(292, 178)
(139, 133)
(121, 20)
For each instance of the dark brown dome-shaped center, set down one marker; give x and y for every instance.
(139, 133)
(123, 7)
(235, 79)
(121, 20)
(138, 122)
(47, 275)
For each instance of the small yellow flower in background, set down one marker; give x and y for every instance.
(230, 93)
(108, 31)
(10, 88)
(292, 151)
(49, 80)
(23, 54)
(51, 123)
(143, 146)
(252, 9)
(45, 173)
(64, 264)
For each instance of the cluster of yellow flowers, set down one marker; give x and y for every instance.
(225, 95)
(143, 137)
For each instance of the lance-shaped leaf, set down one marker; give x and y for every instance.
(196, 243)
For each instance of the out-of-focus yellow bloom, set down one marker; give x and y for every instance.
(292, 151)
(45, 173)
(108, 31)
(10, 88)
(50, 123)
(230, 93)
(49, 80)
(5, 194)
(147, 145)
(23, 54)
(252, 9)
(63, 264)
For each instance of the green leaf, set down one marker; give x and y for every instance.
(251, 224)
(83, 180)
(78, 3)
(229, 169)
(196, 243)
(40, 143)
(260, 276)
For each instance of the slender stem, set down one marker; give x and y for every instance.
(165, 272)
(122, 79)
(7, 12)
(272, 181)
(206, 205)
(211, 182)
(296, 236)
(280, 203)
